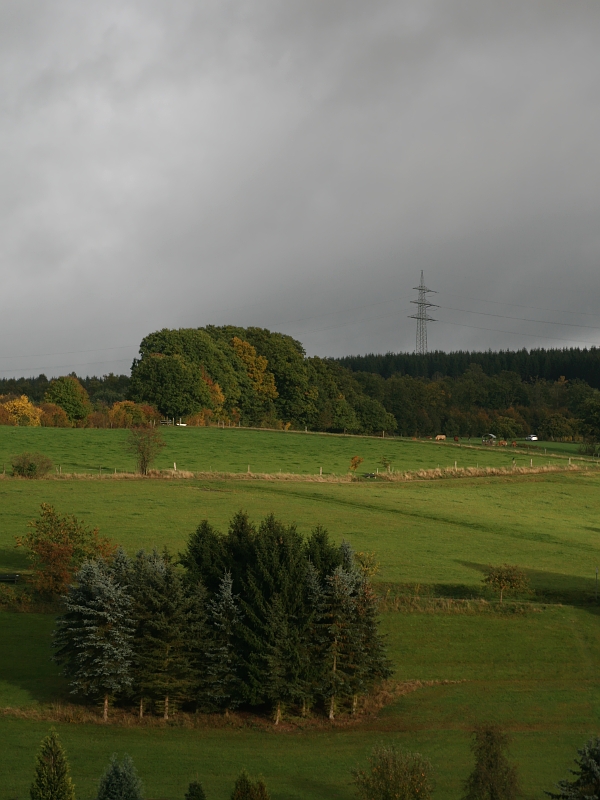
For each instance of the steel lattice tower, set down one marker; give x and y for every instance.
(421, 316)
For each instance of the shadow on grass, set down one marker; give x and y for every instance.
(546, 587)
(27, 673)
(552, 587)
(13, 559)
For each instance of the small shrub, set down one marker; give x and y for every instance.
(394, 775)
(31, 465)
(145, 443)
(120, 781)
(493, 776)
(195, 791)
(247, 789)
(52, 780)
(355, 462)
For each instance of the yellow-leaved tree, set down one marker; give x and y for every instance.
(263, 382)
(21, 411)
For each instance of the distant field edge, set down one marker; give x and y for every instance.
(446, 473)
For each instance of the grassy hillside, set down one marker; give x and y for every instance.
(534, 672)
(427, 532)
(234, 450)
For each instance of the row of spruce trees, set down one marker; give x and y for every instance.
(120, 781)
(257, 618)
(391, 775)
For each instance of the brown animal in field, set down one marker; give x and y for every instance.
(503, 443)
(513, 444)
(441, 437)
(456, 439)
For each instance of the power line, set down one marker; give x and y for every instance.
(517, 305)
(517, 333)
(522, 319)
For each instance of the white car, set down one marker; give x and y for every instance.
(531, 438)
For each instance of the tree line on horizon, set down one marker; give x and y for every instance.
(255, 377)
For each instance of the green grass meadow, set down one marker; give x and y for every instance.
(80, 450)
(536, 672)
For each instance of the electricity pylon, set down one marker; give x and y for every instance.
(421, 316)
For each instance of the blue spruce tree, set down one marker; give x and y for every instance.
(93, 638)
(120, 781)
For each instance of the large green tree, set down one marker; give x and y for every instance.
(171, 383)
(68, 393)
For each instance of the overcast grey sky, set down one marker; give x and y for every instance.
(294, 165)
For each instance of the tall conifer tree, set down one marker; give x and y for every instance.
(224, 687)
(52, 780)
(341, 638)
(275, 565)
(93, 638)
(163, 646)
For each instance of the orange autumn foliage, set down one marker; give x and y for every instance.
(57, 546)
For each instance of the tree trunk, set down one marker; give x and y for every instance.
(141, 707)
(166, 714)
(278, 713)
(332, 703)
(501, 591)
(304, 707)
(105, 712)
(354, 703)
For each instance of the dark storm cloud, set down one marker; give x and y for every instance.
(296, 165)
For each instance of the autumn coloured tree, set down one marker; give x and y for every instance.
(57, 546)
(54, 416)
(355, 462)
(22, 412)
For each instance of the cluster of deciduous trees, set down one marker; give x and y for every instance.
(66, 404)
(250, 375)
(258, 617)
(259, 378)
